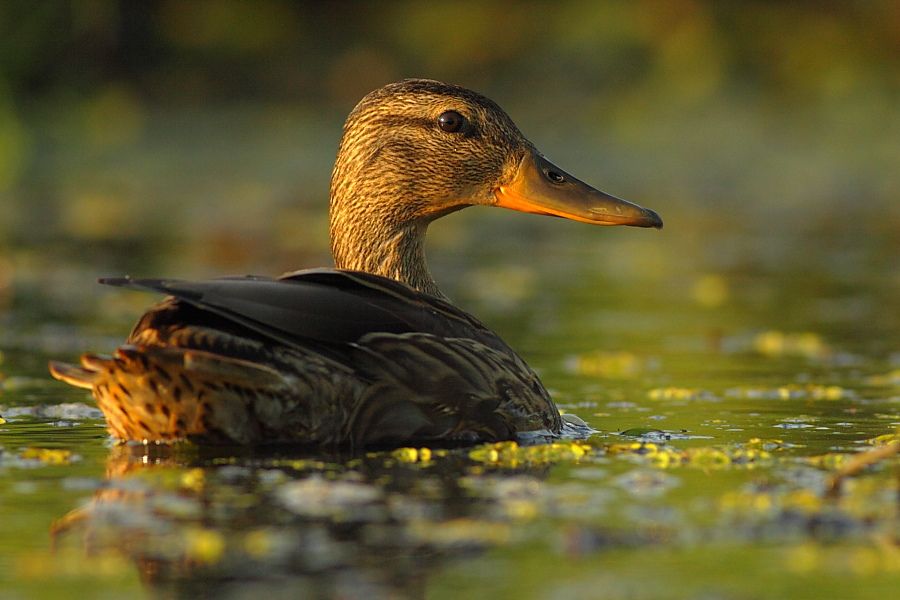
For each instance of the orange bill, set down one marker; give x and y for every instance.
(542, 188)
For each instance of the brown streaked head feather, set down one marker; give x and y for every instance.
(396, 171)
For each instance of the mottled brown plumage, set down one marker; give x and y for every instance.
(390, 151)
(371, 352)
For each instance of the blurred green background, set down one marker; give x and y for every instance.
(196, 139)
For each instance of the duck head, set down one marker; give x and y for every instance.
(418, 149)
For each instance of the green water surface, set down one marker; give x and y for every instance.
(724, 399)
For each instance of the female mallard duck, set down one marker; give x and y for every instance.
(369, 353)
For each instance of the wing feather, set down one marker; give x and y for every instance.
(324, 305)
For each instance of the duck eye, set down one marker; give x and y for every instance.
(451, 121)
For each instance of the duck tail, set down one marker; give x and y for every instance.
(85, 376)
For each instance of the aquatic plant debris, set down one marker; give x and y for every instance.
(417, 455)
(776, 343)
(52, 456)
(513, 455)
(884, 450)
(885, 439)
(792, 391)
(891, 378)
(613, 365)
(680, 393)
(753, 454)
(204, 545)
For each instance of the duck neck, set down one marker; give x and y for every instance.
(377, 224)
(363, 242)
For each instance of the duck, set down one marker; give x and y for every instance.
(370, 352)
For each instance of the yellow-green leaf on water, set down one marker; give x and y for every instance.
(885, 379)
(412, 455)
(193, 479)
(512, 455)
(830, 461)
(613, 365)
(754, 453)
(204, 545)
(884, 440)
(803, 500)
(827, 392)
(778, 343)
(792, 391)
(676, 393)
(50, 456)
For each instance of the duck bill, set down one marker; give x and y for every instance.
(542, 188)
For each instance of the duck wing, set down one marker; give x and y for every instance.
(328, 306)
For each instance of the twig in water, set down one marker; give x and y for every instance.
(859, 462)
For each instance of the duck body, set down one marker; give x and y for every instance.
(322, 356)
(371, 352)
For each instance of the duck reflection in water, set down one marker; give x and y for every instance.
(225, 525)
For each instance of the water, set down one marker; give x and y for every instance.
(734, 417)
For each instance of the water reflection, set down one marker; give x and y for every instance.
(365, 526)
